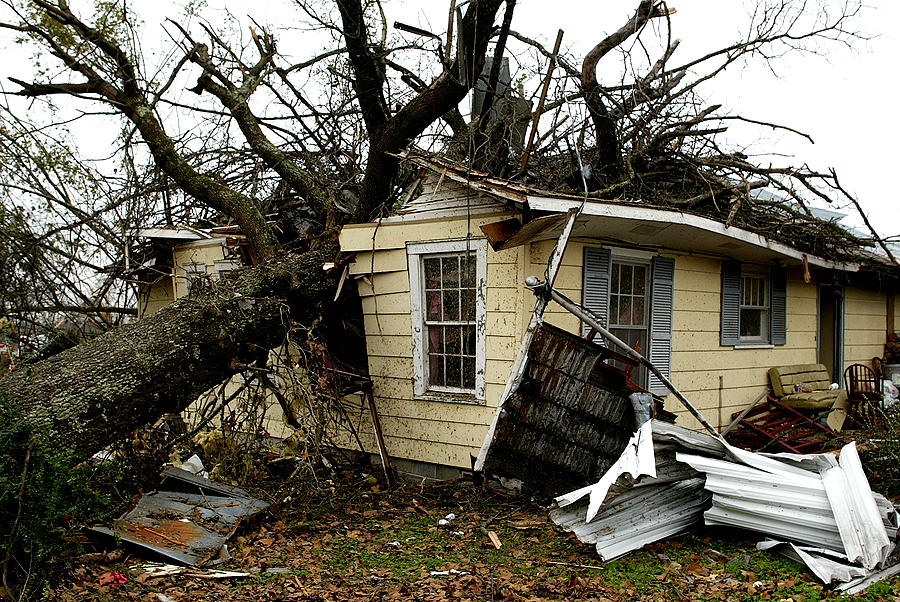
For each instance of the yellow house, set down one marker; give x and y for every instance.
(169, 264)
(713, 307)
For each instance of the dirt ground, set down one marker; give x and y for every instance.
(347, 538)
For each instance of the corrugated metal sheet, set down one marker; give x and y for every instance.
(189, 528)
(817, 500)
(566, 423)
(645, 496)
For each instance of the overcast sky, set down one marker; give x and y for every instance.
(844, 100)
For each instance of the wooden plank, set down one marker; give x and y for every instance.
(387, 260)
(395, 303)
(502, 323)
(388, 324)
(379, 438)
(385, 283)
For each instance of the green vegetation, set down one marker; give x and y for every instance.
(41, 501)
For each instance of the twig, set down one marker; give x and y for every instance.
(577, 566)
(15, 525)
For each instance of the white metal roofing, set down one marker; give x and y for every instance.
(818, 500)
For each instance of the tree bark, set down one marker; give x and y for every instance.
(608, 146)
(96, 393)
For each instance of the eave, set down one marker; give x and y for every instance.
(640, 225)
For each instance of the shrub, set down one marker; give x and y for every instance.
(42, 499)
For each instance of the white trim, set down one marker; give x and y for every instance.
(415, 252)
(755, 346)
(648, 214)
(623, 253)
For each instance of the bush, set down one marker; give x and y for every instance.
(42, 499)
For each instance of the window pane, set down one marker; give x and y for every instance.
(432, 305)
(452, 344)
(468, 271)
(453, 377)
(627, 279)
(468, 305)
(450, 271)
(468, 340)
(614, 311)
(435, 339)
(437, 370)
(432, 272)
(638, 312)
(751, 322)
(469, 372)
(451, 305)
(640, 280)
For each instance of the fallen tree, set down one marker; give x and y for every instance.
(649, 138)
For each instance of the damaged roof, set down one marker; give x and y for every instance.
(763, 232)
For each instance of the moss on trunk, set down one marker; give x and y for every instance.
(96, 393)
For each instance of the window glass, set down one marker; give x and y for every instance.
(754, 308)
(450, 319)
(628, 306)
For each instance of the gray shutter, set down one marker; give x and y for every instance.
(595, 291)
(731, 303)
(662, 290)
(778, 305)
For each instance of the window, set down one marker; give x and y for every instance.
(447, 301)
(195, 277)
(755, 308)
(753, 305)
(632, 292)
(223, 267)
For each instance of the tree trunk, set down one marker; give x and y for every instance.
(96, 393)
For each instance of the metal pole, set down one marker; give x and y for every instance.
(592, 321)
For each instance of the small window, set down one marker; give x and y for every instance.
(754, 308)
(754, 305)
(447, 284)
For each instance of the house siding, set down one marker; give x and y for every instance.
(865, 325)
(438, 432)
(718, 380)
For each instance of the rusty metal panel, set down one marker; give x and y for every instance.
(188, 528)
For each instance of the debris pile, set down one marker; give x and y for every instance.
(818, 508)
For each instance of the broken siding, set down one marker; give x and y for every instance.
(202, 252)
(441, 194)
(431, 431)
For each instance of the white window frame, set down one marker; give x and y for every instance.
(631, 259)
(416, 252)
(754, 272)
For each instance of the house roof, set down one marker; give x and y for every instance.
(807, 239)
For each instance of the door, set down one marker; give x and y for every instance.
(831, 330)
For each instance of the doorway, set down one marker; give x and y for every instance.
(831, 330)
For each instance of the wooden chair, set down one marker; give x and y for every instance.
(863, 391)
